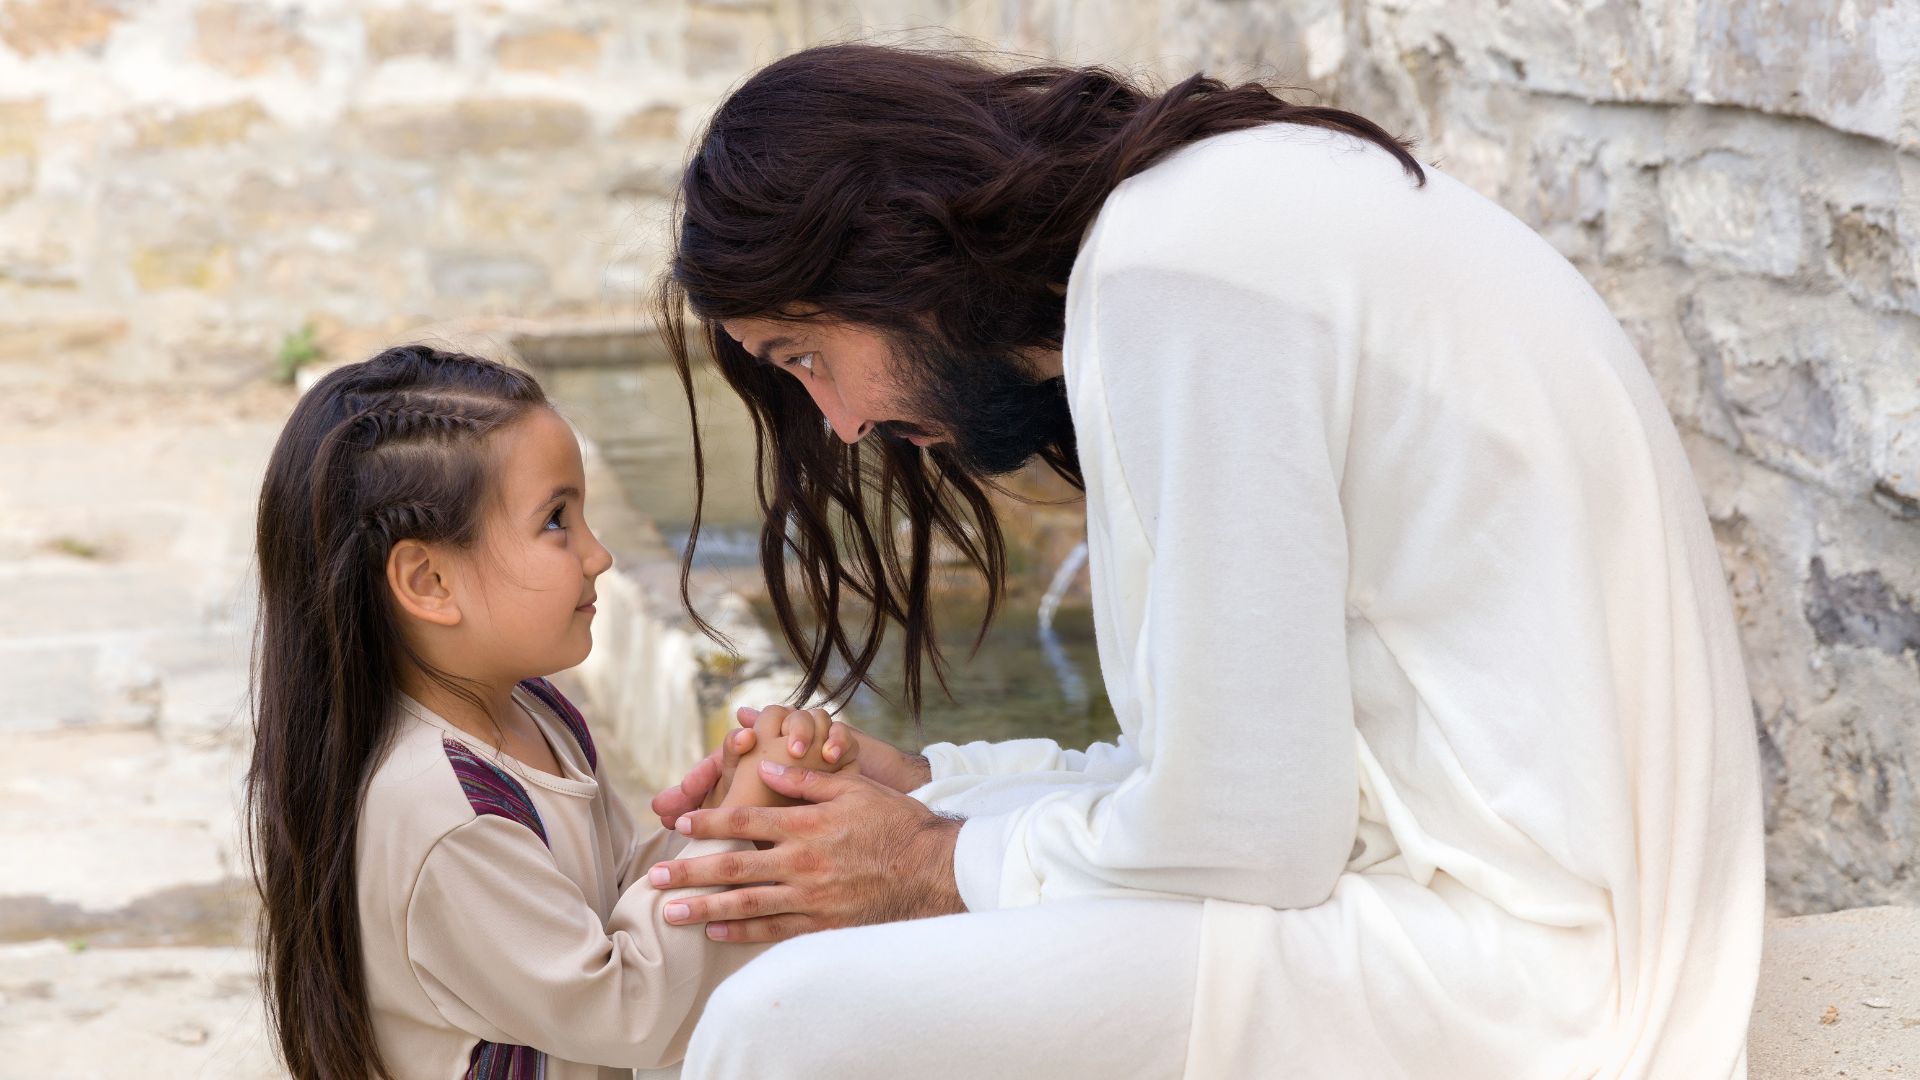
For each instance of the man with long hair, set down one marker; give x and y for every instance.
(1436, 756)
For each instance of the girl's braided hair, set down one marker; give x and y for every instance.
(385, 450)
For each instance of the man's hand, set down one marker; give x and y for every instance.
(879, 759)
(862, 853)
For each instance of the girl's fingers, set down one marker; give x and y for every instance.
(746, 715)
(843, 745)
(798, 731)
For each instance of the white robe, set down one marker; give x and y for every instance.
(1418, 639)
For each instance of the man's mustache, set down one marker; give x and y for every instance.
(902, 429)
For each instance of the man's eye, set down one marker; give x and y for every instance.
(553, 519)
(804, 362)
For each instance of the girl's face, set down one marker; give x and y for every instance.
(527, 589)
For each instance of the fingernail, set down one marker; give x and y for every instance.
(676, 912)
(716, 932)
(684, 826)
(749, 712)
(831, 753)
(658, 875)
(797, 747)
(772, 768)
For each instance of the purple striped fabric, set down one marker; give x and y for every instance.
(499, 1061)
(490, 790)
(554, 700)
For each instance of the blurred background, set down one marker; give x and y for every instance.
(202, 204)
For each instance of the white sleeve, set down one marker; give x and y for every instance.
(507, 948)
(1220, 417)
(1108, 761)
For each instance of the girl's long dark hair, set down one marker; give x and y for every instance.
(376, 452)
(885, 187)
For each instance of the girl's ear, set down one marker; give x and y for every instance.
(420, 578)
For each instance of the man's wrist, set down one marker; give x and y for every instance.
(941, 894)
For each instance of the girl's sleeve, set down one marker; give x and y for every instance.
(508, 949)
(1212, 419)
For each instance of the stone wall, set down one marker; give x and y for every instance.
(184, 184)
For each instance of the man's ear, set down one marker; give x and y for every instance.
(420, 579)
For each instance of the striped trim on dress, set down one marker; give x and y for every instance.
(499, 1061)
(554, 700)
(490, 790)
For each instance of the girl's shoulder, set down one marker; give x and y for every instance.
(430, 780)
(417, 792)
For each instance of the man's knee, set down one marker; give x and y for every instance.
(768, 1018)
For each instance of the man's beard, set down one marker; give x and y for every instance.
(995, 413)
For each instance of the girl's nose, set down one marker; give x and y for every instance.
(598, 559)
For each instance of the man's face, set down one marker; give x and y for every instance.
(990, 410)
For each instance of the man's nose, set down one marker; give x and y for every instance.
(845, 424)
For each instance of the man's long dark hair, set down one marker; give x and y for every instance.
(901, 189)
(379, 451)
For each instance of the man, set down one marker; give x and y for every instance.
(1436, 755)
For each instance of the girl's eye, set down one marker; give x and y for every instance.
(553, 519)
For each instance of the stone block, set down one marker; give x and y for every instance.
(249, 38)
(21, 123)
(410, 31)
(214, 126)
(18, 174)
(722, 44)
(1867, 256)
(474, 274)
(55, 684)
(183, 265)
(1896, 450)
(43, 263)
(646, 182)
(1851, 64)
(33, 27)
(1770, 377)
(1728, 211)
(484, 126)
(1861, 610)
(554, 48)
(654, 122)
(52, 339)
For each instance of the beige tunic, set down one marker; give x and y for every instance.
(500, 919)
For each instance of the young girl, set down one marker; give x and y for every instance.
(448, 882)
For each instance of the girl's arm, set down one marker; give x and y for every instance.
(507, 948)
